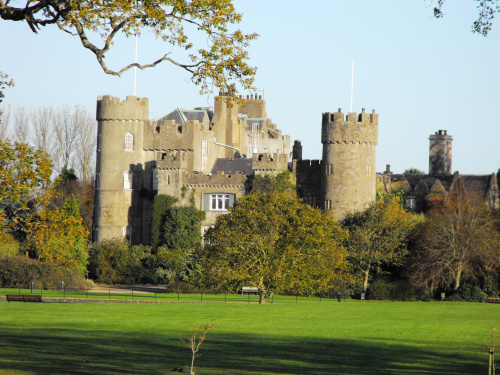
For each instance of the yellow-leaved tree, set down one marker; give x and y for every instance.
(61, 237)
(221, 59)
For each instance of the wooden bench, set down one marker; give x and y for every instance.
(493, 300)
(24, 298)
(249, 290)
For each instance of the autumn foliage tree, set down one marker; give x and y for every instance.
(276, 243)
(460, 240)
(221, 60)
(61, 237)
(25, 186)
(378, 236)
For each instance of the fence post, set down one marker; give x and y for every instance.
(132, 294)
(19, 290)
(155, 296)
(296, 297)
(248, 297)
(109, 294)
(201, 296)
(272, 298)
(177, 296)
(225, 299)
(86, 293)
(32, 286)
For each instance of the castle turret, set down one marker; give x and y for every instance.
(440, 153)
(348, 165)
(120, 160)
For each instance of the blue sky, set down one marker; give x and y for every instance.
(419, 74)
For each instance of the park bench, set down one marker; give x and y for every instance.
(493, 300)
(249, 290)
(24, 298)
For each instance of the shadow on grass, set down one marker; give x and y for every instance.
(52, 351)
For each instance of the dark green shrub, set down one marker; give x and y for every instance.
(20, 271)
(115, 262)
(468, 293)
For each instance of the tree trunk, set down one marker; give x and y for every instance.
(458, 276)
(365, 283)
(262, 296)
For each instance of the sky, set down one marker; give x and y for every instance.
(420, 74)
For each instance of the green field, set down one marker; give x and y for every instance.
(286, 337)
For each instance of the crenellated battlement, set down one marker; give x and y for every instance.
(350, 129)
(132, 108)
(172, 160)
(269, 163)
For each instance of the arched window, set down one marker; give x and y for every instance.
(129, 141)
(127, 232)
(127, 180)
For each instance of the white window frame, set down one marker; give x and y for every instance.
(219, 202)
(128, 141)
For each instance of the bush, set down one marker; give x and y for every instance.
(115, 262)
(20, 271)
(468, 293)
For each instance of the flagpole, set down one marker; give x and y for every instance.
(352, 81)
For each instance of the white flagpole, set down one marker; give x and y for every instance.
(135, 67)
(352, 81)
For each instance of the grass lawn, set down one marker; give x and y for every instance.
(307, 337)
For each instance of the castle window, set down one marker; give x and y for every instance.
(411, 203)
(155, 180)
(328, 205)
(204, 148)
(217, 201)
(329, 169)
(127, 232)
(129, 141)
(127, 180)
(368, 170)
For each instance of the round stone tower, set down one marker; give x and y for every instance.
(120, 160)
(348, 165)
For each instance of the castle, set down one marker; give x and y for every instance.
(205, 156)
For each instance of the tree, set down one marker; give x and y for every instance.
(172, 21)
(4, 81)
(266, 183)
(61, 238)
(487, 10)
(460, 240)
(115, 262)
(25, 186)
(413, 170)
(4, 119)
(378, 236)
(276, 243)
(176, 234)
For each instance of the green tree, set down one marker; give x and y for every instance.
(25, 186)
(273, 242)
(176, 233)
(115, 262)
(221, 63)
(378, 236)
(460, 240)
(413, 170)
(61, 237)
(487, 9)
(266, 183)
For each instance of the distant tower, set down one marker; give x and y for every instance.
(348, 165)
(120, 160)
(440, 153)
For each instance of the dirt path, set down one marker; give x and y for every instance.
(102, 288)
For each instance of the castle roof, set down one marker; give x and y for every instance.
(233, 166)
(181, 115)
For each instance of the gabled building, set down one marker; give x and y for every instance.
(423, 191)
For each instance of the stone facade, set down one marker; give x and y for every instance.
(344, 180)
(200, 155)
